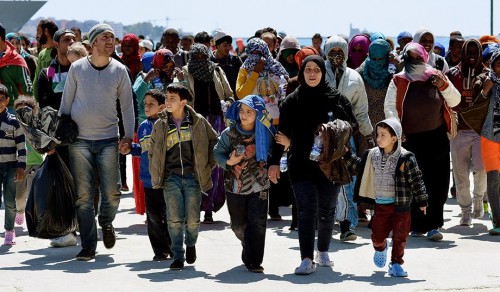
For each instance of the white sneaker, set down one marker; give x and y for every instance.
(307, 266)
(323, 259)
(66, 240)
(466, 220)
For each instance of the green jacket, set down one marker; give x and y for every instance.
(203, 138)
(43, 61)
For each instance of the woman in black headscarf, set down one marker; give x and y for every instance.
(300, 115)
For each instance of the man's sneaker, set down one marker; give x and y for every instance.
(380, 257)
(108, 236)
(66, 240)
(19, 218)
(416, 234)
(323, 259)
(10, 237)
(477, 209)
(190, 254)
(160, 257)
(466, 220)
(307, 266)
(362, 217)
(434, 235)
(177, 265)
(124, 188)
(486, 207)
(255, 268)
(396, 270)
(494, 231)
(86, 254)
(348, 236)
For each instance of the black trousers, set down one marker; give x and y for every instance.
(248, 222)
(432, 151)
(156, 214)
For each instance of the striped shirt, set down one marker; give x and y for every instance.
(12, 143)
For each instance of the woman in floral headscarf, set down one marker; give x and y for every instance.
(211, 94)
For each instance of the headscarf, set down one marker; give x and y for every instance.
(303, 53)
(442, 50)
(355, 59)
(259, 45)
(160, 58)
(376, 35)
(202, 70)
(335, 41)
(488, 39)
(323, 85)
(264, 129)
(416, 71)
(375, 71)
(492, 75)
(489, 50)
(289, 45)
(133, 62)
(432, 56)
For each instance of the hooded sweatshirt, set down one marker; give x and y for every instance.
(385, 165)
(468, 79)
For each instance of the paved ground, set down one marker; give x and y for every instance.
(467, 259)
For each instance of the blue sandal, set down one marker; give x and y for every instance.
(380, 257)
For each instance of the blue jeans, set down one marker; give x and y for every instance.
(9, 195)
(183, 198)
(84, 155)
(316, 200)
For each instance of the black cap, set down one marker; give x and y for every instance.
(60, 33)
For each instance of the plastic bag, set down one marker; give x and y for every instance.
(50, 210)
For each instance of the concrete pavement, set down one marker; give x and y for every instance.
(466, 260)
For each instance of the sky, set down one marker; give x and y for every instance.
(296, 18)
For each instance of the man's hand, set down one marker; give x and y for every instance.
(260, 66)
(124, 144)
(152, 74)
(424, 209)
(274, 173)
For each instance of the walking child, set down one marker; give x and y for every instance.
(12, 162)
(181, 160)
(242, 151)
(389, 178)
(156, 213)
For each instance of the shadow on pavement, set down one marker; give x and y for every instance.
(189, 272)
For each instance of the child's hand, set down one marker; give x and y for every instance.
(19, 176)
(424, 209)
(487, 86)
(234, 159)
(125, 149)
(282, 139)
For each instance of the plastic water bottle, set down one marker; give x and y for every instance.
(284, 162)
(316, 148)
(391, 68)
(283, 85)
(330, 116)
(157, 84)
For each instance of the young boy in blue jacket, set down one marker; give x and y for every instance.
(242, 151)
(154, 102)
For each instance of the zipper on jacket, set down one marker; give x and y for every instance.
(180, 148)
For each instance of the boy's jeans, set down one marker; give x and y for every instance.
(9, 193)
(183, 198)
(83, 156)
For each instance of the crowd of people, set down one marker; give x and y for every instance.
(346, 130)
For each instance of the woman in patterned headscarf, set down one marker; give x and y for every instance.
(211, 94)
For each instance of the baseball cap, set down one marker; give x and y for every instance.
(146, 44)
(58, 34)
